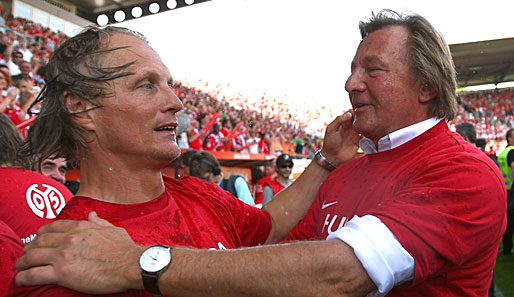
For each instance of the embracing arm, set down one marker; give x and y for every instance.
(310, 268)
(315, 268)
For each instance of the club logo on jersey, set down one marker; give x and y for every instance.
(45, 201)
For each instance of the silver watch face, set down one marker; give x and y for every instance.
(155, 258)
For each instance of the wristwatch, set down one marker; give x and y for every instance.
(323, 162)
(153, 261)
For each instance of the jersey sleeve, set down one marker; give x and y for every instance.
(442, 217)
(10, 250)
(255, 223)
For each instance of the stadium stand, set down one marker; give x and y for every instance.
(263, 123)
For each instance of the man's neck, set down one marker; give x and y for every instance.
(282, 180)
(119, 182)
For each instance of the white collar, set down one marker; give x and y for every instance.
(398, 137)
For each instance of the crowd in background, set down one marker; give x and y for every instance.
(25, 49)
(220, 120)
(218, 125)
(491, 113)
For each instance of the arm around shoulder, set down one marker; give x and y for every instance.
(311, 268)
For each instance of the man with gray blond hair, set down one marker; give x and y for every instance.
(407, 218)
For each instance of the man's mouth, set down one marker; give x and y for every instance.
(166, 128)
(357, 106)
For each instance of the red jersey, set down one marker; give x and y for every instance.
(213, 141)
(263, 146)
(441, 197)
(197, 143)
(10, 250)
(191, 212)
(259, 189)
(14, 113)
(29, 200)
(267, 181)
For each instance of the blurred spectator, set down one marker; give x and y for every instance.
(283, 168)
(26, 73)
(298, 145)
(253, 142)
(257, 175)
(214, 140)
(226, 128)
(467, 131)
(27, 94)
(8, 104)
(22, 47)
(506, 162)
(13, 60)
(185, 162)
(55, 168)
(205, 166)
(194, 136)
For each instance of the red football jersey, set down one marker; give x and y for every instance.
(192, 212)
(29, 200)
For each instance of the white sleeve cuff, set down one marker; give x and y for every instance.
(381, 254)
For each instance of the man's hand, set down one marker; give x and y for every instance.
(90, 256)
(341, 141)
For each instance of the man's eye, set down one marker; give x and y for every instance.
(147, 86)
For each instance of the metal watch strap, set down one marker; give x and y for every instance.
(323, 162)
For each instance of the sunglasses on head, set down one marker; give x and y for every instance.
(286, 165)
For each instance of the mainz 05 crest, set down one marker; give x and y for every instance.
(45, 201)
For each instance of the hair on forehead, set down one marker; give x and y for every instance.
(429, 56)
(74, 68)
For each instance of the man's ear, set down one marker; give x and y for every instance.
(426, 93)
(80, 109)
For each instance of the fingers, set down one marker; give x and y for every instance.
(344, 119)
(61, 226)
(45, 240)
(35, 257)
(36, 276)
(94, 218)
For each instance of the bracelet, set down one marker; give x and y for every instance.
(323, 162)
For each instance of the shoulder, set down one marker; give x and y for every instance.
(191, 188)
(27, 180)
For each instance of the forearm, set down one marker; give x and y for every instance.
(291, 204)
(297, 269)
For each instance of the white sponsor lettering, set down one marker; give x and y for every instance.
(28, 239)
(221, 247)
(330, 223)
(45, 201)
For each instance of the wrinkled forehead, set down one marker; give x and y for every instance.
(385, 43)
